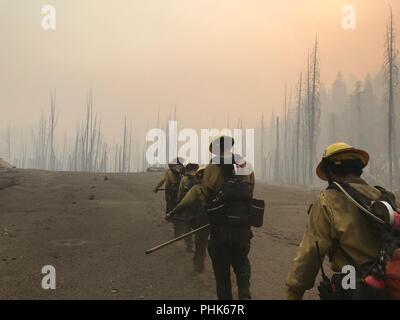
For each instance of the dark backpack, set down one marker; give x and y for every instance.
(233, 205)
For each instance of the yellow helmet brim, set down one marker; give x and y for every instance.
(343, 154)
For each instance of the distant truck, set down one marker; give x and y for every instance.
(156, 168)
(5, 165)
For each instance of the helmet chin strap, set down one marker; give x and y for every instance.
(328, 172)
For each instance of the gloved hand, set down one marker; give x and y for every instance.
(168, 216)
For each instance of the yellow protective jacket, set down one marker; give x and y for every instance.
(171, 181)
(184, 185)
(212, 179)
(192, 206)
(343, 232)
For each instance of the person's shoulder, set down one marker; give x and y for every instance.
(366, 189)
(328, 193)
(212, 167)
(196, 191)
(329, 196)
(319, 198)
(322, 205)
(325, 197)
(197, 187)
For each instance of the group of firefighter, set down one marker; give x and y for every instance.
(342, 225)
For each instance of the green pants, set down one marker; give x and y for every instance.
(179, 229)
(225, 254)
(171, 201)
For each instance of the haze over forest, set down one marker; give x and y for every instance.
(214, 62)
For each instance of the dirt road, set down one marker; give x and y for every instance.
(94, 231)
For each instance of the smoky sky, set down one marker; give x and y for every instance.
(214, 61)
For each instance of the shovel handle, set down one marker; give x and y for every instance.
(160, 246)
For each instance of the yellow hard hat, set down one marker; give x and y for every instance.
(338, 152)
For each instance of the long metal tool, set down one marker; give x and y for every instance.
(370, 214)
(176, 239)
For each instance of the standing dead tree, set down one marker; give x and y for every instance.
(277, 171)
(124, 146)
(89, 146)
(9, 143)
(313, 100)
(296, 156)
(262, 151)
(52, 127)
(392, 79)
(285, 137)
(40, 142)
(356, 101)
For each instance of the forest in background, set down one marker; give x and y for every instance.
(289, 140)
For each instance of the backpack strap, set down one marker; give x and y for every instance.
(358, 198)
(228, 171)
(354, 193)
(387, 196)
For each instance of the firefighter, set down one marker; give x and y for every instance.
(228, 246)
(336, 227)
(192, 209)
(187, 182)
(171, 179)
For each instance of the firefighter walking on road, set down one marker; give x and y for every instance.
(171, 179)
(187, 182)
(338, 228)
(228, 246)
(192, 209)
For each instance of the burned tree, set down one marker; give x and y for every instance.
(277, 171)
(313, 105)
(296, 156)
(391, 82)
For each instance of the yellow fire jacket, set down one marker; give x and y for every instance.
(184, 186)
(192, 206)
(171, 181)
(338, 225)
